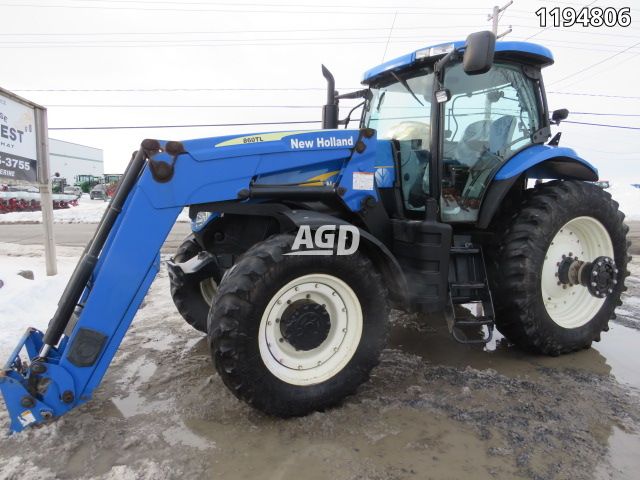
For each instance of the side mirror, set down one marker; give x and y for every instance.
(478, 53)
(558, 115)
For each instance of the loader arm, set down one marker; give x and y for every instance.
(69, 360)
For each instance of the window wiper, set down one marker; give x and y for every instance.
(404, 83)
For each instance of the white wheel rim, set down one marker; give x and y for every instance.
(310, 367)
(573, 306)
(208, 289)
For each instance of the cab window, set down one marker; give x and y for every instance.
(487, 120)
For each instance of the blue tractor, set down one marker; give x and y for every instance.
(303, 240)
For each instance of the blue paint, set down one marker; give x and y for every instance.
(545, 57)
(130, 258)
(534, 155)
(385, 168)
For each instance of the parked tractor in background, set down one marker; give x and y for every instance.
(303, 240)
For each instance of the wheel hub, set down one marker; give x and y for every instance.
(598, 276)
(305, 325)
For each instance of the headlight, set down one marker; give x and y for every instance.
(201, 219)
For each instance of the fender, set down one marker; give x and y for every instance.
(538, 161)
(545, 161)
(377, 251)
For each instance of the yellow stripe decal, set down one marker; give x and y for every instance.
(262, 137)
(318, 180)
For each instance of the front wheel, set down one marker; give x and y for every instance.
(559, 268)
(193, 296)
(293, 334)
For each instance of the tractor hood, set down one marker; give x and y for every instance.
(235, 166)
(266, 143)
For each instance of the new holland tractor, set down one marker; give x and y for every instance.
(303, 240)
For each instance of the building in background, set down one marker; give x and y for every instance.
(73, 162)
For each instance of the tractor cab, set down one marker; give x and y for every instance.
(451, 129)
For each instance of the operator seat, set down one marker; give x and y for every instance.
(501, 133)
(473, 143)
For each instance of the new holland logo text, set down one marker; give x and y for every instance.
(321, 142)
(326, 240)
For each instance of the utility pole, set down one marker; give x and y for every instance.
(495, 16)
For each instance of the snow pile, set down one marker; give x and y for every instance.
(87, 211)
(628, 197)
(29, 303)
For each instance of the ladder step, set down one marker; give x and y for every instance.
(468, 285)
(473, 322)
(464, 251)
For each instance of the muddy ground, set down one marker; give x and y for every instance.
(434, 409)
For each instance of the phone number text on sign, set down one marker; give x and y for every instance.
(17, 168)
(586, 17)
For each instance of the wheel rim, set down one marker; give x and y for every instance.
(573, 306)
(319, 364)
(208, 289)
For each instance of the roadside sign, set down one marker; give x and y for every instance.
(18, 143)
(24, 157)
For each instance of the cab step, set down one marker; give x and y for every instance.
(468, 287)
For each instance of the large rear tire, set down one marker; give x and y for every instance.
(558, 222)
(193, 297)
(293, 334)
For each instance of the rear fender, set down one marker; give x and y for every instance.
(538, 161)
(545, 161)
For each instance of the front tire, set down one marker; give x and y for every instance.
(193, 297)
(293, 334)
(558, 221)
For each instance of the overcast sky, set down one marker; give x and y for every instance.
(154, 54)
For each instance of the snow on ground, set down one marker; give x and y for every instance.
(628, 197)
(29, 303)
(87, 211)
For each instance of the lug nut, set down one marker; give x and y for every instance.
(67, 396)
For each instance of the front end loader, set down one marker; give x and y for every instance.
(302, 241)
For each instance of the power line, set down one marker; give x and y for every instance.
(322, 5)
(210, 45)
(184, 126)
(594, 95)
(359, 12)
(267, 106)
(602, 125)
(232, 89)
(607, 114)
(179, 42)
(224, 32)
(595, 64)
(181, 106)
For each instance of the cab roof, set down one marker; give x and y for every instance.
(528, 52)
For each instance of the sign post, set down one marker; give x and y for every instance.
(24, 157)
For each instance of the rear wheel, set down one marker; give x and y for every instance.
(294, 334)
(559, 268)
